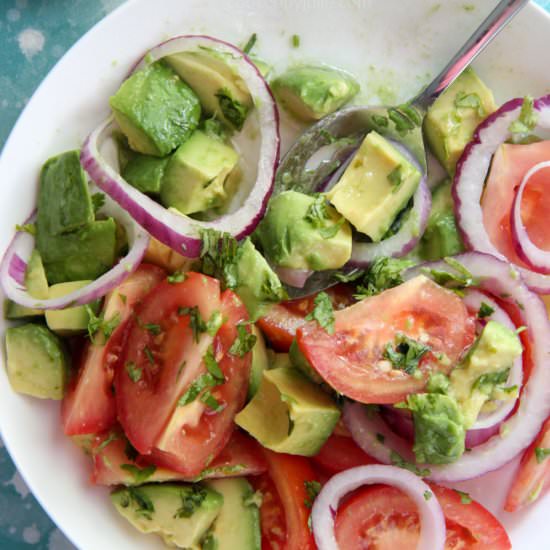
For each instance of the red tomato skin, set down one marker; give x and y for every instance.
(348, 359)
(89, 404)
(341, 453)
(284, 319)
(386, 518)
(531, 477)
(191, 453)
(287, 477)
(144, 407)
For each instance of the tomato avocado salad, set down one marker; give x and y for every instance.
(156, 293)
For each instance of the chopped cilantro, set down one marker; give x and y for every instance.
(397, 460)
(134, 372)
(295, 41)
(233, 110)
(140, 475)
(194, 390)
(210, 401)
(176, 277)
(527, 120)
(212, 365)
(218, 256)
(98, 323)
(196, 322)
(465, 498)
(144, 505)
(243, 343)
(250, 43)
(180, 370)
(485, 310)
(541, 454)
(317, 213)
(395, 177)
(152, 328)
(428, 495)
(486, 382)
(406, 354)
(214, 323)
(350, 276)
(462, 278)
(26, 228)
(313, 488)
(112, 437)
(130, 452)
(98, 200)
(192, 497)
(149, 355)
(322, 312)
(384, 273)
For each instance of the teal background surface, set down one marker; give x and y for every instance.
(34, 34)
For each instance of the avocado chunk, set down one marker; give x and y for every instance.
(83, 254)
(453, 117)
(256, 283)
(377, 184)
(37, 362)
(304, 232)
(144, 172)
(180, 514)
(260, 362)
(72, 320)
(483, 373)
(36, 285)
(221, 91)
(155, 110)
(238, 524)
(310, 93)
(289, 414)
(64, 202)
(439, 432)
(195, 176)
(441, 238)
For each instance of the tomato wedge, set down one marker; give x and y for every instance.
(114, 461)
(533, 475)
(89, 405)
(341, 453)
(285, 510)
(384, 518)
(510, 164)
(283, 320)
(351, 359)
(189, 447)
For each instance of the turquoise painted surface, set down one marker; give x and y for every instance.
(34, 34)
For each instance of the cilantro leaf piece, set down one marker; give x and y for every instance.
(192, 497)
(98, 200)
(140, 475)
(202, 382)
(458, 279)
(134, 372)
(527, 120)
(406, 353)
(176, 277)
(428, 495)
(98, 323)
(395, 177)
(485, 310)
(112, 437)
(486, 383)
(397, 460)
(144, 505)
(196, 322)
(212, 365)
(313, 488)
(210, 401)
(214, 323)
(29, 228)
(384, 273)
(152, 328)
(541, 454)
(465, 498)
(322, 312)
(244, 342)
(250, 43)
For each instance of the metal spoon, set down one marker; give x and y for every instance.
(344, 130)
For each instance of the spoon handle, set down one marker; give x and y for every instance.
(503, 13)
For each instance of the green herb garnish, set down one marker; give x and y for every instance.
(541, 454)
(192, 498)
(134, 372)
(397, 460)
(406, 354)
(323, 312)
(244, 341)
(98, 323)
(140, 475)
(465, 498)
(485, 310)
(313, 488)
(251, 42)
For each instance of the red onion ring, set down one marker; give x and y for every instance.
(519, 430)
(293, 277)
(472, 169)
(23, 244)
(178, 231)
(432, 520)
(526, 249)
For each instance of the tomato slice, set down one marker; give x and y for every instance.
(147, 391)
(340, 453)
(533, 476)
(283, 320)
(285, 511)
(189, 447)
(510, 164)
(384, 518)
(350, 360)
(89, 404)
(112, 454)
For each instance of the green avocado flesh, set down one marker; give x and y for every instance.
(37, 361)
(310, 93)
(156, 110)
(289, 414)
(180, 514)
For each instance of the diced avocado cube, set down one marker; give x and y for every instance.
(441, 238)
(36, 285)
(256, 283)
(259, 362)
(220, 89)
(237, 527)
(194, 178)
(180, 514)
(64, 202)
(37, 362)
(84, 254)
(304, 232)
(375, 187)
(156, 110)
(71, 320)
(144, 172)
(310, 93)
(451, 120)
(289, 414)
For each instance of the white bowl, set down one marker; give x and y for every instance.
(392, 46)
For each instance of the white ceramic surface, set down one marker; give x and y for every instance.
(392, 46)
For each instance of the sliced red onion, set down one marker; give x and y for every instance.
(526, 249)
(17, 269)
(519, 430)
(178, 231)
(472, 169)
(23, 244)
(432, 521)
(473, 300)
(293, 277)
